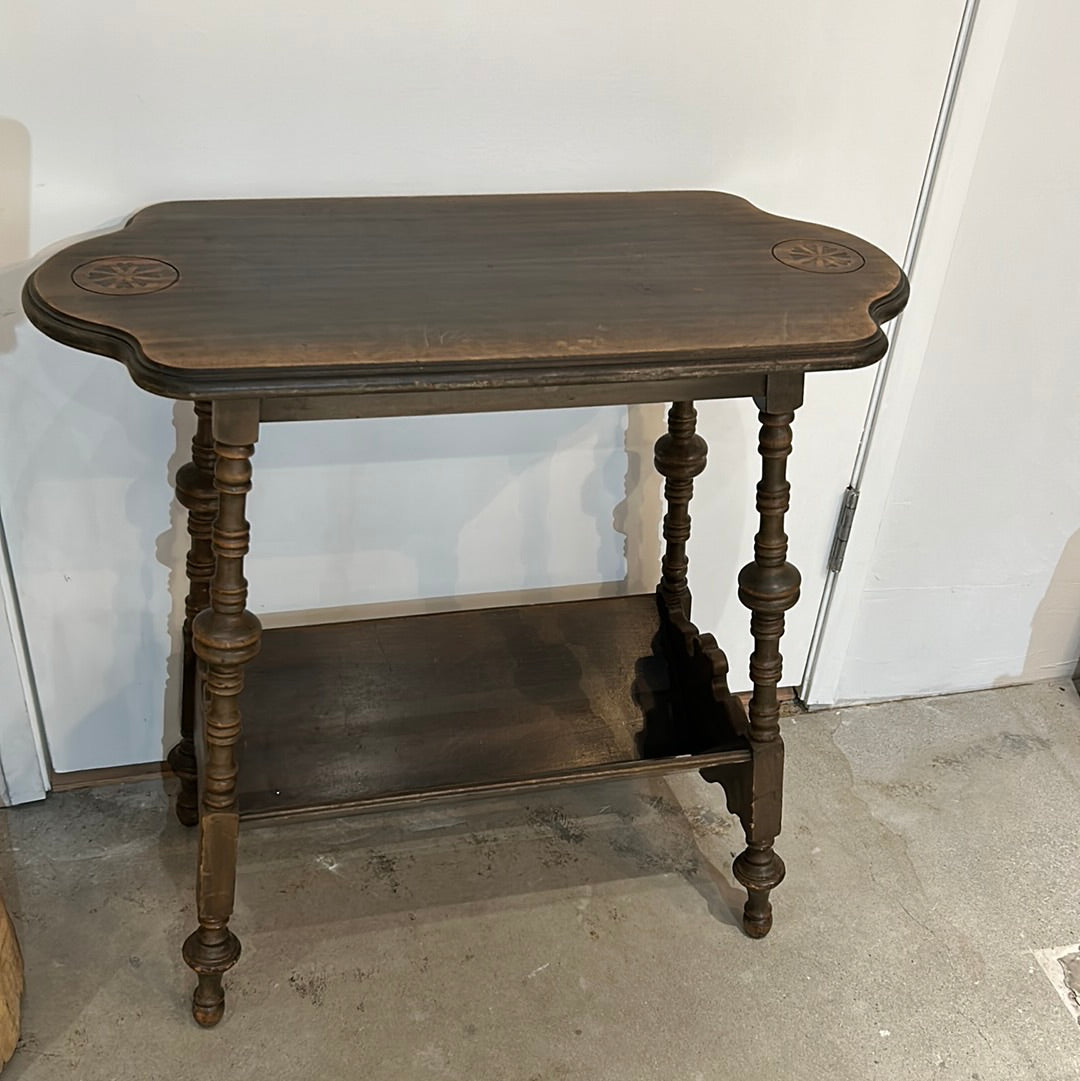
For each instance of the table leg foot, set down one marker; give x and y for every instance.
(210, 953)
(760, 870)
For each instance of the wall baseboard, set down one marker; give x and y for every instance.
(98, 778)
(787, 696)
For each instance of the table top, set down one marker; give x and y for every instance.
(286, 296)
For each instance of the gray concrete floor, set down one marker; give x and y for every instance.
(931, 847)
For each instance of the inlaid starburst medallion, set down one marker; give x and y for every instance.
(129, 275)
(818, 256)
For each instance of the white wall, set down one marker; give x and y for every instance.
(817, 111)
(975, 577)
(23, 761)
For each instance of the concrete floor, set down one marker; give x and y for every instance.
(931, 847)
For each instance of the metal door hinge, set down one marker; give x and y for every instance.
(843, 529)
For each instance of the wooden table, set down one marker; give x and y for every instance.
(306, 309)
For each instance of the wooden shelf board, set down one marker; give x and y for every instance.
(392, 711)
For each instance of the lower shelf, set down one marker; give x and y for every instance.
(394, 711)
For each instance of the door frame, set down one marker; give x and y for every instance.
(981, 43)
(24, 758)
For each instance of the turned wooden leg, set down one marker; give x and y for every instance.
(680, 455)
(195, 491)
(225, 637)
(768, 586)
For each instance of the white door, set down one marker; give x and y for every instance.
(819, 111)
(970, 574)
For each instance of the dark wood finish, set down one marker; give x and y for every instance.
(768, 586)
(525, 390)
(275, 297)
(679, 457)
(107, 776)
(278, 310)
(469, 702)
(76, 779)
(225, 637)
(195, 491)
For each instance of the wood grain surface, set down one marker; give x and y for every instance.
(11, 986)
(279, 296)
(398, 710)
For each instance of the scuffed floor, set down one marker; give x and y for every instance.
(932, 848)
